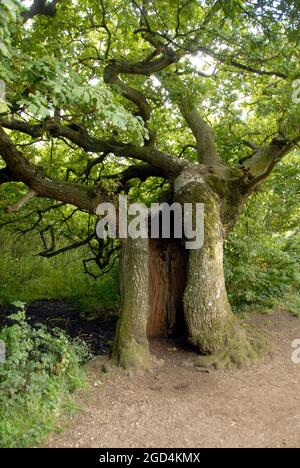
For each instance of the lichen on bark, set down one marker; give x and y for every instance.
(131, 347)
(212, 327)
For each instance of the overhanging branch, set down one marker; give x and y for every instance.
(169, 165)
(76, 245)
(35, 179)
(264, 159)
(40, 7)
(23, 201)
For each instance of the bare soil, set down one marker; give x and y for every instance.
(98, 332)
(178, 404)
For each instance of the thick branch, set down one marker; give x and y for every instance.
(35, 131)
(193, 46)
(250, 144)
(40, 7)
(203, 133)
(264, 159)
(139, 171)
(34, 178)
(169, 165)
(113, 70)
(111, 77)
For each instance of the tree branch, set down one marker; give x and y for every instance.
(35, 179)
(169, 165)
(251, 145)
(111, 73)
(193, 46)
(40, 7)
(139, 171)
(35, 131)
(203, 133)
(49, 254)
(17, 206)
(228, 60)
(264, 159)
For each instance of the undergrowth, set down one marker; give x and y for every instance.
(27, 277)
(40, 372)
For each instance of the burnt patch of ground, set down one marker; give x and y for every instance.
(98, 333)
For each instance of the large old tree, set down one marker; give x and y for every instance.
(197, 94)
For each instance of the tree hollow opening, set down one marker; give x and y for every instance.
(167, 281)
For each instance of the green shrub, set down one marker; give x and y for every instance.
(258, 269)
(40, 371)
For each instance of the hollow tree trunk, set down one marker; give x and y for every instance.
(167, 277)
(152, 283)
(153, 289)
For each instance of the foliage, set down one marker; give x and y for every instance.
(263, 253)
(28, 277)
(9, 12)
(40, 371)
(237, 61)
(54, 63)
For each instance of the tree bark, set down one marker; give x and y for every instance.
(167, 278)
(161, 284)
(131, 347)
(207, 311)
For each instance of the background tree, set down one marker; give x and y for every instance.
(197, 94)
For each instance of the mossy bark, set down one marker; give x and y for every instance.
(212, 327)
(131, 347)
(207, 311)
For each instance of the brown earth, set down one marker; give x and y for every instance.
(98, 331)
(178, 404)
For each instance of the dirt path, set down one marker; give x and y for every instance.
(176, 405)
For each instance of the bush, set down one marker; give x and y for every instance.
(260, 269)
(262, 254)
(40, 371)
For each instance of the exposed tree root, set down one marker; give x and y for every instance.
(243, 347)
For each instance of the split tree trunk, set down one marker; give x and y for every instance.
(153, 275)
(160, 285)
